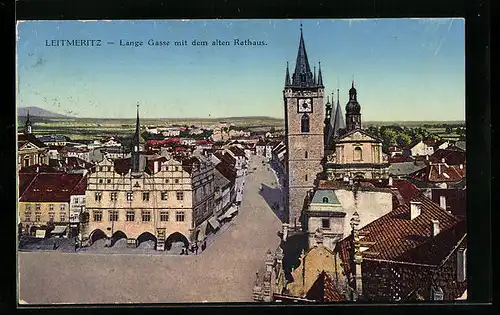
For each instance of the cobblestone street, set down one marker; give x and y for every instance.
(224, 272)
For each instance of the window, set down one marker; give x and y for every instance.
(305, 155)
(180, 195)
(108, 181)
(113, 215)
(461, 264)
(51, 216)
(37, 207)
(306, 177)
(164, 195)
(176, 180)
(304, 123)
(166, 180)
(179, 216)
(358, 155)
(130, 196)
(325, 223)
(62, 208)
(51, 207)
(164, 216)
(146, 215)
(98, 196)
(130, 216)
(176, 168)
(27, 216)
(100, 181)
(97, 216)
(38, 216)
(113, 196)
(28, 207)
(145, 196)
(101, 168)
(62, 217)
(325, 199)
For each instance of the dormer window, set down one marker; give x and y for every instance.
(325, 199)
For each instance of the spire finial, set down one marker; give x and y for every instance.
(338, 93)
(301, 27)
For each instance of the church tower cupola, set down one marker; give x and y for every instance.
(27, 125)
(353, 110)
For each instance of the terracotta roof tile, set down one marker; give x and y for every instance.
(437, 173)
(395, 235)
(324, 290)
(47, 187)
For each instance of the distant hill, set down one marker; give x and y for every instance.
(38, 112)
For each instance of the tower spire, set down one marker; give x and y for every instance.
(27, 124)
(302, 76)
(314, 75)
(320, 77)
(287, 76)
(136, 145)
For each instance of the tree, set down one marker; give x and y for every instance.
(272, 130)
(403, 140)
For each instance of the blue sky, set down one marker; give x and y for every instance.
(404, 69)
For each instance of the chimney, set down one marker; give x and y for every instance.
(435, 227)
(443, 161)
(461, 166)
(442, 202)
(38, 169)
(390, 181)
(427, 157)
(415, 209)
(439, 169)
(156, 167)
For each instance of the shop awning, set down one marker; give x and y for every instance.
(214, 223)
(59, 229)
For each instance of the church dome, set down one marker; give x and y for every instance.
(353, 107)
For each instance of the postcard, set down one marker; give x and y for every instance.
(201, 161)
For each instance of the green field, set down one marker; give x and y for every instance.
(92, 128)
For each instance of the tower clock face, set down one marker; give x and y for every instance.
(305, 105)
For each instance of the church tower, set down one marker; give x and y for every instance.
(304, 121)
(353, 111)
(136, 146)
(27, 125)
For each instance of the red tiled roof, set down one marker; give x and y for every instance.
(403, 191)
(81, 187)
(47, 187)
(76, 163)
(42, 168)
(324, 290)
(449, 173)
(395, 235)
(25, 180)
(451, 157)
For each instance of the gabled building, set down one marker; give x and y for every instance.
(30, 150)
(416, 249)
(44, 198)
(149, 197)
(449, 156)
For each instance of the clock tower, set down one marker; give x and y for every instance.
(303, 97)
